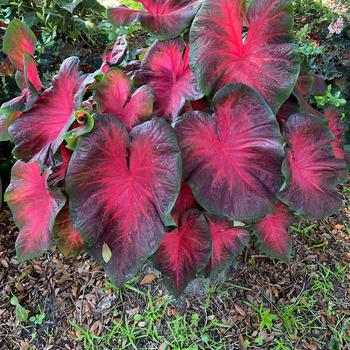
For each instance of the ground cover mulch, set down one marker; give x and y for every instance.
(76, 290)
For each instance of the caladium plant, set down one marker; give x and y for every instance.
(212, 138)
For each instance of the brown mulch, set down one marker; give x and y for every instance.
(75, 290)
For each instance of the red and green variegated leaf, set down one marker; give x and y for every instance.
(184, 201)
(167, 19)
(21, 103)
(34, 208)
(184, 252)
(40, 130)
(166, 69)
(31, 75)
(227, 242)
(112, 95)
(272, 233)
(264, 59)
(66, 237)
(338, 129)
(310, 168)
(122, 189)
(113, 91)
(232, 159)
(17, 41)
(114, 54)
(139, 107)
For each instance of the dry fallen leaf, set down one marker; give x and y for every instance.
(95, 326)
(106, 253)
(148, 279)
(240, 310)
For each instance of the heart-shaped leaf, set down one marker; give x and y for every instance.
(272, 233)
(310, 168)
(113, 96)
(264, 58)
(39, 131)
(184, 252)
(34, 208)
(232, 159)
(227, 242)
(166, 69)
(122, 188)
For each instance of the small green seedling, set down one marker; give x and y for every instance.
(266, 318)
(39, 318)
(21, 313)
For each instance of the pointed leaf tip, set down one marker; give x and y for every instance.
(228, 240)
